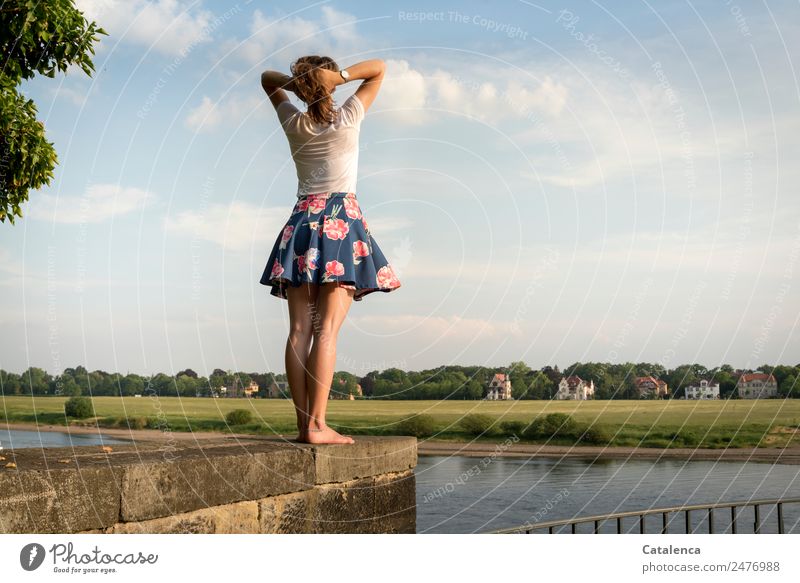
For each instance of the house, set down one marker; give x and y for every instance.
(499, 388)
(239, 390)
(650, 387)
(278, 390)
(341, 394)
(574, 388)
(757, 385)
(704, 390)
(251, 390)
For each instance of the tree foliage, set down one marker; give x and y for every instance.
(35, 38)
(78, 407)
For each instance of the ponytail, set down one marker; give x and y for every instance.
(305, 73)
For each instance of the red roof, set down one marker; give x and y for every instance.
(575, 380)
(640, 380)
(757, 376)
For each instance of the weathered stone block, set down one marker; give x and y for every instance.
(239, 518)
(203, 478)
(56, 500)
(385, 503)
(396, 503)
(344, 507)
(287, 514)
(368, 456)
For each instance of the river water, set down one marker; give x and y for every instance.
(462, 495)
(17, 439)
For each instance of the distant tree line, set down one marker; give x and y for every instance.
(612, 381)
(186, 383)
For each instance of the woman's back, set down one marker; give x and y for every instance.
(325, 155)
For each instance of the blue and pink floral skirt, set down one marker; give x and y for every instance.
(327, 239)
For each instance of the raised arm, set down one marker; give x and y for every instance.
(274, 83)
(371, 71)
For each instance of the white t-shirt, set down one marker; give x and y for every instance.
(325, 155)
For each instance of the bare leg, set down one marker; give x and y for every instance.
(302, 300)
(333, 302)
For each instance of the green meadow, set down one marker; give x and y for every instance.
(716, 424)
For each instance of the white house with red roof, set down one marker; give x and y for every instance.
(575, 388)
(757, 385)
(499, 388)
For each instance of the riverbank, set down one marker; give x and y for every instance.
(787, 455)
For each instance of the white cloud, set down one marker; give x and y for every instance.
(284, 38)
(579, 129)
(403, 94)
(78, 97)
(407, 93)
(614, 128)
(549, 96)
(100, 202)
(169, 26)
(204, 116)
(740, 244)
(341, 25)
(229, 112)
(238, 226)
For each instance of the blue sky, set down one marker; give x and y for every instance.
(552, 182)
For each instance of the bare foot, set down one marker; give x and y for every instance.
(326, 435)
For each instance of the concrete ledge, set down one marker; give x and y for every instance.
(227, 485)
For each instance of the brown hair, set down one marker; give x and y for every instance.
(308, 88)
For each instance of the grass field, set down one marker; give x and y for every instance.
(736, 423)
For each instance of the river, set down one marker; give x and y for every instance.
(18, 439)
(461, 495)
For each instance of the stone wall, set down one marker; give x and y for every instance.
(225, 485)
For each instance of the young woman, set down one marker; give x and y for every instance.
(325, 256)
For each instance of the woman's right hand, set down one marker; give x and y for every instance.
(330, 79)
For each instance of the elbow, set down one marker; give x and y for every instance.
(268, 81)
(380, 69)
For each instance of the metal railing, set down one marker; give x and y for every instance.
(734, 507)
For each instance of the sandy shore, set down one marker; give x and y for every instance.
(789, 455)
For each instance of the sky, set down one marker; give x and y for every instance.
(552, 182)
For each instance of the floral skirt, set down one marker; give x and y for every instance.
(327, 239)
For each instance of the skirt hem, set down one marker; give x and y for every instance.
(279, 285)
